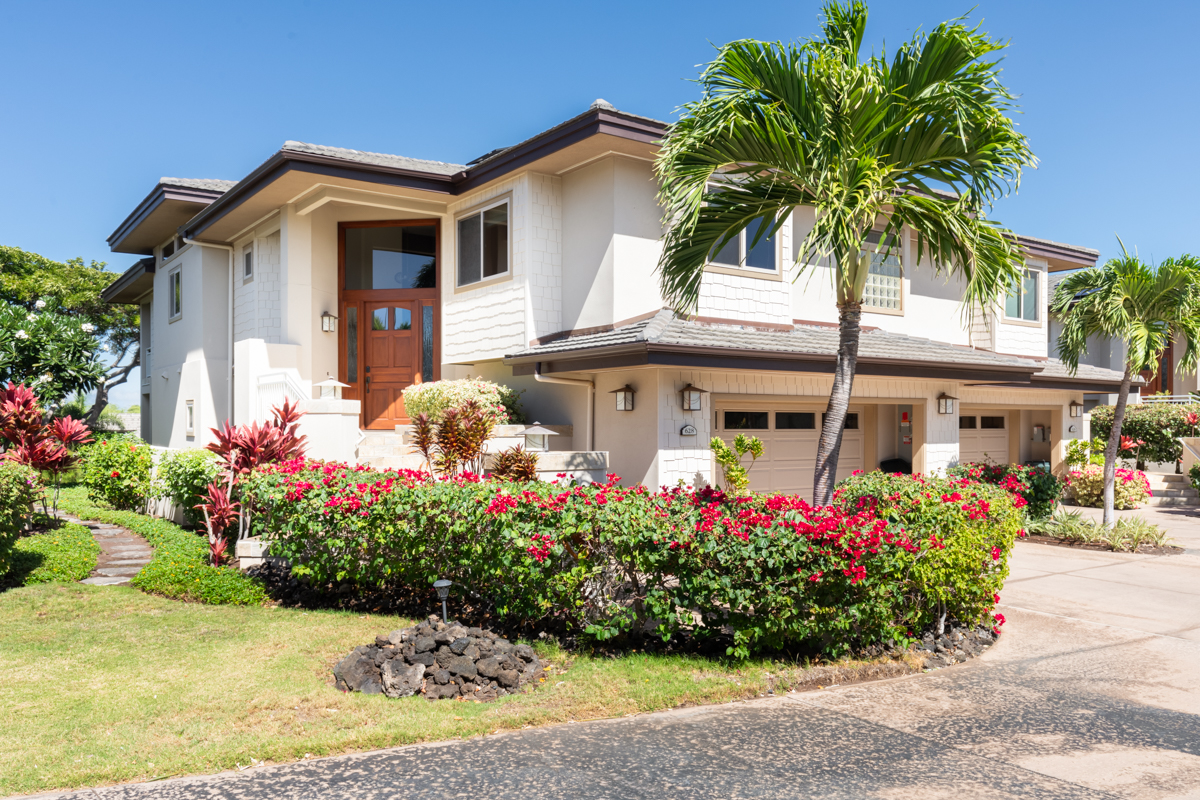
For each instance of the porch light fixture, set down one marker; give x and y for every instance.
(328, 322)
(1076, 409)
(443, 590)
(331, 389)
(946, 403)
(537, 437)
(690, 396)
(624, 397)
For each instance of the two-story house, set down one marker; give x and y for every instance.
(534, 266)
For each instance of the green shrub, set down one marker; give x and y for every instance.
(1194, 476)
(1038, 487)
(609, 560)
(1159, 425)
(64, 555)
(1128, 534)
(117, 471)
(183, 477)
(179, 568)
(20, 486)
(433, 398)
(1130, 489)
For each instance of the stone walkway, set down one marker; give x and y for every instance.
(122, 554)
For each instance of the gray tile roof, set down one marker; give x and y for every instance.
(1077, 248)
(375, 159)
(1054, 369)
(208, 184)
(666, 328)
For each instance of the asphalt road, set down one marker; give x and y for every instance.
(1094, 692)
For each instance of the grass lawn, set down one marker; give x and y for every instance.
(103, 684)
(65, 554)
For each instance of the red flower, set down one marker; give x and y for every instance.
(996, 598)
(999, 619)
(116, 474)
(995, 554)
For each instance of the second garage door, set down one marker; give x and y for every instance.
(982, 436)
(789, 440)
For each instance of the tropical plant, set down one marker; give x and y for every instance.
(736, 476)
(117, 471)
(183, 476)
(515, 464)
(19, 487)
(1159, 426)
(921, 141)
(45, 448)
(54, 352)
(455, 442)
(434, 398)
(1143, 306)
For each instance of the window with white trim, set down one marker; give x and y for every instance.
(1022, 299)
(175, 294)
(884, 288)
(190, 418)
(748, 249)
(483, 241)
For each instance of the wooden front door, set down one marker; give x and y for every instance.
(1160, 382)
(389, 300)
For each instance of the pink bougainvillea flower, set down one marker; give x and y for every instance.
(995, 554)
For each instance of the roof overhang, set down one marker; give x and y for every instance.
(158, 217)
(133, 283)
(694, 357)
(1059, 256)
(592, 134)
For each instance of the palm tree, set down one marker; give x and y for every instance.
(921, 140)
(1131, 301)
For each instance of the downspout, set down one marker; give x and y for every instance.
(591, 400)
(229, 338)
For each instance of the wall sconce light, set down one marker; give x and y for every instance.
(690, 396)
(1076, 409)
(624, 397)
(537, 438)
(328, 322)
(946, 403)
(331, 389)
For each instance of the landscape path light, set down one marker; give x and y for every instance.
(443, 590)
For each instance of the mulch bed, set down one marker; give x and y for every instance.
(1146, 549)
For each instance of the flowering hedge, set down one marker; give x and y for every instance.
(1130, 490)
(433, 398)
(609, 560)
(117, 471)
(1158, 425)
(20, 486)
(1038, 487)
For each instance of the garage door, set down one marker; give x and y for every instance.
(983, 436)
(789, 439)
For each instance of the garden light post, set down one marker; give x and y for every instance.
(443, 590)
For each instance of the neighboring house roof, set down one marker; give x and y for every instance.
(133, 283)
(666, 339)
(1060, 256)
(171, 203)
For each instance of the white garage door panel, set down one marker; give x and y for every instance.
(989, 445)
(789, 458)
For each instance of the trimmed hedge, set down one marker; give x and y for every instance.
(1159, 425)
(183, 477)
(117, 471)
(179, 568)
(1131, 487)
(893, 556)
(64, 555)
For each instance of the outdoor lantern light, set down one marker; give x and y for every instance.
(1076, 409)
(691, 397)
(624, 397)
(946, 403)
(331, 389)
(328, 322)
(443, 590)
(537, 437)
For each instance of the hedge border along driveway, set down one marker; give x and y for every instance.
(179, 569)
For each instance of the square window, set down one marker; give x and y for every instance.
(483, 245)
(966, 423)
(747, 420)
(753, 247)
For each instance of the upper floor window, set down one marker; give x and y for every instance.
(175, 294)
(168, 250)
(744, 251)
(1022, 300)
(248, 263)
(483, 244)
(884, 289)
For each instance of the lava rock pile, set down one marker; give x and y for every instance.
(440, 660)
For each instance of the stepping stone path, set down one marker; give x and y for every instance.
(123, 554)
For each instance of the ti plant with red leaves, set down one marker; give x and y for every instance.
(240, 451)
(46, 448)
(220, 512)
(456, 443)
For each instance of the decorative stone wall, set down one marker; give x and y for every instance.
(439, 660)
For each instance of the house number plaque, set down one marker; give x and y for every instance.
(687, 430)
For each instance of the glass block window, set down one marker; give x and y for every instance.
(885, 277)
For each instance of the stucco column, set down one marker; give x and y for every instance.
(297, 317)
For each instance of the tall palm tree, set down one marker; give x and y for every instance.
(1143, 306)
(920, 141)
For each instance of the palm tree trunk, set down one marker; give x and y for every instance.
(1111, 451)
(830, 445)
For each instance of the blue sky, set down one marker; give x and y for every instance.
(102, 99)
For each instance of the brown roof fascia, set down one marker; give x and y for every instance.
(1053, 250)
(129, 278)
(160, 194)
(590, 123)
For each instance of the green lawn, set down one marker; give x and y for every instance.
(65, 554)
(103, 684)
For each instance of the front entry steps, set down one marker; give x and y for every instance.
(1171, 490)
(387, 450)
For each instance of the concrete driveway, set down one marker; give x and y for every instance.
(1094, 692)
